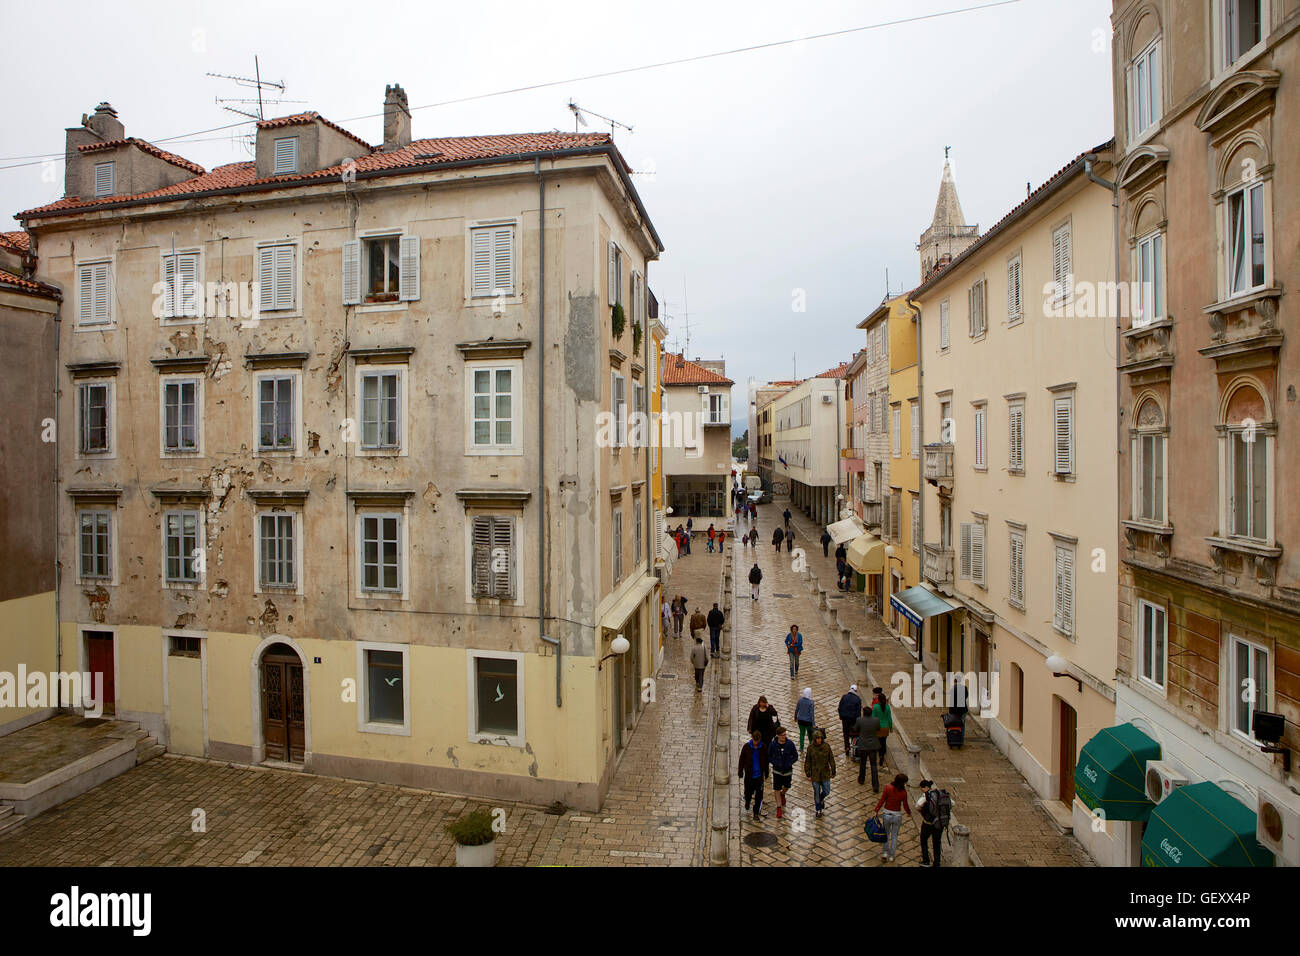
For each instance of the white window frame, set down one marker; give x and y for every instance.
(516, 558)
(295, 515)
(403, 554)
(617, 268)
(86, 306)
(364, 724)
(638, 529)
(284, 163)
(1147, 611)
(978, 305)
(1063, 626)
(916, 524)
(99, 190)
(945, 326)
(1060, 400)
(1245, 190)
(178, 379)
(402, 372)
(521, 680)
(981, 411)
(1016, 568)
(1223, 49)
(186, 312)
(1149, 252)
(616, 539)
(618, 407)
(1263, 433)
(200, 545)
(489, 296)
(1149, 57)
(516, 369)
(1158, 438)
(109, 578)
(110, 410)
(296, 449)
(1235, 684)
(279, 309)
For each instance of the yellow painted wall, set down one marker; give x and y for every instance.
(26, 637)
(185, 706)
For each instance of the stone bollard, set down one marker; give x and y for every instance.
(718, 840)
(914, 761)
(839, 626)
(960, 844)
(822, 603)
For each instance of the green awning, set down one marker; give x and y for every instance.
(1202, 825)
(1111, 773)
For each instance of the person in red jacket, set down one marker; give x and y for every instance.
(894, 800)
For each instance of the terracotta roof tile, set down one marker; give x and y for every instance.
(146, 147)
(302, 119)
(17, 242)
(9, 280)
(678, 371)
(839, 371)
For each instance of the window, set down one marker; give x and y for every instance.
(1243, 28)
(381, 551)
(181, 646)
(492, 260)
(277, 550)
(381, 410)
(716, 408)
(1151, 279)
(1015, 295)
(276, 278)
(180, 415)
(493, 562)
(493, 410)
(96, 558)
(1144, 91)
(93, 401)
(615, 274)
(972, 552)
(1063, 599)
(943, 325)
(618, 541)
(181, 553)
(1150, 503)
(916, 524)
(1063, 434)
(1250, 684)
(1153, 641)
(1016, 576)
(275, 413)
(385, 693)
(105, 179)
(895, 503)
(383, 268)
(636, 529)
(496, 698)
(618, 398)
(1246, 239)
(898, 431)
(1016, 438)
(286, 155)
(1062, 265)
(1248, 483)
(915, 412)
(93, 293)
(182, 293)
(981, 436)
(978, 318)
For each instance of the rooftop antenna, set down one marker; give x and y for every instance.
(686, 314)
(255, 82)
(578, 119)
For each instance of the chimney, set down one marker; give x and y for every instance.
(105, 123)
(100, 127)
(397, 119)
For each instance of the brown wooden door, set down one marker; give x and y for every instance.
(1069, 750)
(283, 724)
(99, 653)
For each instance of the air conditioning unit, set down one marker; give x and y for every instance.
(1277, 829)
(1162, 780)
(702, 389)
(827, 399)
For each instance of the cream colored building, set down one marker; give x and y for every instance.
(1019, 424)
(808, 425)
(696, 439)
(361, 429)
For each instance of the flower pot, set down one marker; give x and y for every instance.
(482, 855)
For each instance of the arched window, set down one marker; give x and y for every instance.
(1247, 438)
(1150, 495)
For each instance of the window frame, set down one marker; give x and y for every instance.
(1234, 434)
(1063, 292)
(1015, 409)
(616, 540)
(295, 516)
(295, 448)
(277, 311)
(514, 294)
(1156, 292)
(1140, 657)
(83, 308)
(286, 170)
(401, 449)
(1226, 62)
(517, 519)
(173, 313)
(1234, 688)
(1066, 628)
(1016, 568)
(980, 410)
(473, 734)
(110, 575)
(1016, 303)
(1246, 190)
(945, 325)
(1154, 88)
(896, 429)
(198, 582)
(380, 593)
(1158, 437)
(364, 724)
(978, 307)
(179, 380)
(1069, 398)
(109, 451)
(492, 366)
(111, 166)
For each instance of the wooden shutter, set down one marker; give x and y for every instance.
(503, 260)
(659, 532)
(481, 262)
(981, 438)
(286, 155)
(916, 430)
(897, 430)
(1013, 288)
(943, 324)
(965, 562)
(266, 278)
(895, 520)
(1063, 618)
(409, 269)
(1064, 435)
(1061, 261)
(977, 553)
(481, 561)
(187, 277)
(1016, 439)
(85, 295)
(503, 539)
(352, 272)
(284, 277)
(1017, 568)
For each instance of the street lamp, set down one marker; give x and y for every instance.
(1057, 665)
(617, 646)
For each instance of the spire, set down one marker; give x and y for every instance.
(948, 235)
(947, 209)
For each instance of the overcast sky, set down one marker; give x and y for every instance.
(811, 167)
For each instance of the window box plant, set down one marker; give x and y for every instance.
(475, 839)
(381, 297)
(619, 320)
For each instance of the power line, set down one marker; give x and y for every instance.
(902, 21)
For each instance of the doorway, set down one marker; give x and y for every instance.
(99, 660)
(283, 712)
(1069, 747)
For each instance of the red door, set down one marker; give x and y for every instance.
(99, 651)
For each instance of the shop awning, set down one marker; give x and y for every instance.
(1202, 825)
(846, 530)
(1111, 773)
(918, 603)
(866, 554)
(616, 617)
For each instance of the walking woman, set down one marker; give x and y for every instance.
(819, 767)
(880, 710)
(679, 615)
(777, 537)
(894, 800)
(763, 719)
(803, 715)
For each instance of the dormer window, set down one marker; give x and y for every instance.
(105, 180)
(286, 155)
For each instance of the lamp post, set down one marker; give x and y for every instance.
(617, 646)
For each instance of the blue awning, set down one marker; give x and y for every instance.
(918, 603)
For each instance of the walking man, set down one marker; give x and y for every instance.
(819, 767)
(867, 748)
(935, 807)
(804, 715)
(688, 535)
(782, 757)
(826, 543)
(777, 537)
(850, 710)
(787, 517)
(698, 622)
(841, 553)
(679, 614)
(700, 660)
(755, 579)
(715, 621)
(793, 648)
(789, 541)
(753, 770)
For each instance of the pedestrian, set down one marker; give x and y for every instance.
(690, 523)
(700, 660)
(679, 614)
(753, 514)
(722, 539)
(804, 715)
(793, 648)
(777, 537)
(686, 536)
(781, 756)
(763, 719)
(819, 767)
(867, 748)
(894, 800)
(744, 540)
(755, 579)
(667, 615)
(841, 554)
(753, 770)
(712, 535)
(698, 622)
(787, 517)
(880, 710)
(935, 807)
(789, 541)
(848, 576)
(839, 574)
(715, 621)
(826, 543)
(850, 710)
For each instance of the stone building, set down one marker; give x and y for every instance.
(948, 235)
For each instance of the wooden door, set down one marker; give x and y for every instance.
(99, 654)
(1069, 750)
(283, 711)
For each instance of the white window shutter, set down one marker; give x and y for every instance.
(726, 407)
(409, 269)
(503, 540)
(284, 277)
(169, 286)
(895, 520)
(481, 559)
(977, 553)
(188, 298)
(503, 260)
(352, 272)
(1063, 618)
(266, 278)
(1064, 435)
(85, 295)
(916, 430)
(965, 563)
(943, 325)
(481, 262)
(613, 270)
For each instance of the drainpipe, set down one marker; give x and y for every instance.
(541, 429)
(920, 464)
(58, 629)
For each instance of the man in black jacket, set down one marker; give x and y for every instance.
(826, 543)
(755, 579)
(850, 711)
(753, 770)
(715, 621)
(867, 748)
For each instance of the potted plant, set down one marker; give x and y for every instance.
(475, 839)
(636, 338)
(620, 319)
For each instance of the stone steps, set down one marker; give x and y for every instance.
(8, 819)
(147, 747)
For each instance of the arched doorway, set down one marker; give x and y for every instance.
(283, 707)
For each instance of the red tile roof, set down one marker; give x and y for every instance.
(9, 280)
(145, 147)
(420, 153)
(16, 242)
(839, 371)
(678, 371)
(302, 119)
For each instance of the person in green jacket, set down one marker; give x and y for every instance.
(881, 711)
(819, 767)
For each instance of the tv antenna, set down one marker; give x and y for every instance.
(254, 82)
(578, 119)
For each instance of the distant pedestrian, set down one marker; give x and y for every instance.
(789, 540)
(826, 543)
(689, 524)
(722, 539)
(782, 756)
(777, 537)
(840, 574)
(744, 540)
(763, 719)
(700, 660)
(867, 749)
(679, 614)
(698, 622)
(880, 710)
(793, 648)
(715, 621)
(712, 534)
(847, 576)
(935, 807)
(819, 767)
(850, 710)
(841, 554)
(755, 579)
(787, 517)
(753, 770)
(894, 800)
(804, 715)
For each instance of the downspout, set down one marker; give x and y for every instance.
(541, 429)
(920, 465)
(58, 629)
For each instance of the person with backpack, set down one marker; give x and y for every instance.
(894, 800)
(793, 648)
(763, 719)
(753, 770)
(804, 715)
(715, 620)
(699, 660)
(850, 710)
(778, 536)
(867, 748)
(698, 622)
(819, 767)
(880, 710)
(782, 757)
(826, 543)
(755, 579)
(935, 807)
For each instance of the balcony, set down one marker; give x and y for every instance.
(871, 514)
(938, 565)
(938, 466)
